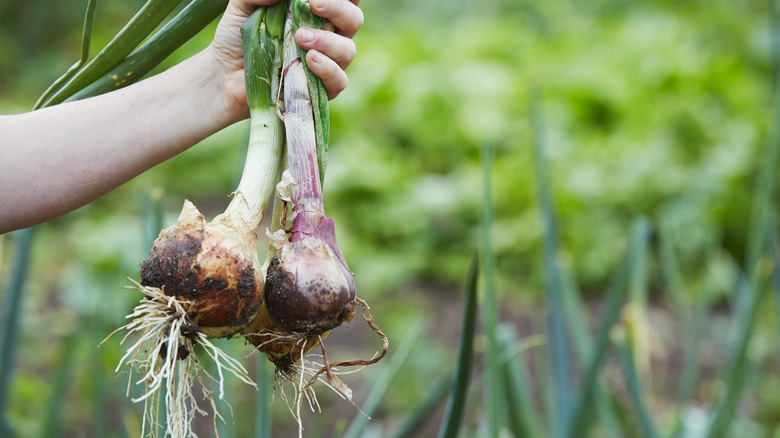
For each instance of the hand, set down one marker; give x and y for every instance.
(337, 47)
(329, 53)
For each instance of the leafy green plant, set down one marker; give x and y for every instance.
(11, 309)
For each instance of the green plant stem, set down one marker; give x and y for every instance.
(670, 268)
(737, 366)
(261, 35)
(462, 377)
(265, 381)
(134, 32)
(12, 310)
(559, 357)
(696, 328)
(626, 354)
(522, 415)
(773, 242)
(52, 424)
(495, 386)
(578, 423)
(583, 345)
(86, 40)
(180, 29)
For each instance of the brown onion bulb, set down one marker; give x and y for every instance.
(209, 266)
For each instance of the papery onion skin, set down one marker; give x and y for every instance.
(211, 268)
(307, 291)
(283, 349)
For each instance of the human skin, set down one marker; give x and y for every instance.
(60, 158)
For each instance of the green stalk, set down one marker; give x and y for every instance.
(152, 215)
(522, 415)
(11, 312)
(462, 377)
(265, 381)
(180, 29)
(559, 358)
(670, 268)
(773, 242)
(736, 368)
(625, 350)
(134, 32)
(697, 325)
(86, 39)
(694, 320)
(493, 372)
(578, 422)
(583, 346)
(52, 424)
(262, 34)
(637, 326)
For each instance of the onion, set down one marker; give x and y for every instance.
(203, 279)
(309, 289)
(210, 266)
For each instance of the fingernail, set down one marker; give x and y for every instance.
(305, 35)
(319, 4)
(316, 57)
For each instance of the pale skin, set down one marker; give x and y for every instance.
(57, 159)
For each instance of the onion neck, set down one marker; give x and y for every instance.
(308, 204)
(258, 180)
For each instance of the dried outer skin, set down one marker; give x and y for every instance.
(283, 349)
(209, 267)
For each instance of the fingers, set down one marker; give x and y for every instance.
(344, 14)
(333, 77)
(336, 47)
(246, 7)
(328, 53)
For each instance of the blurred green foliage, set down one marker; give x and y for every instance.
(655, 108)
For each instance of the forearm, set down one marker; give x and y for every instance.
(55, 160)
(60, 158)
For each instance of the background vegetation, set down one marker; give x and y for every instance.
(653, 109)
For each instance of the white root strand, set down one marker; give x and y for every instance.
(159, 320)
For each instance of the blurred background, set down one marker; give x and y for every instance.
(654, 110)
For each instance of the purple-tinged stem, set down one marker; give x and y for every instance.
(308, 203)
